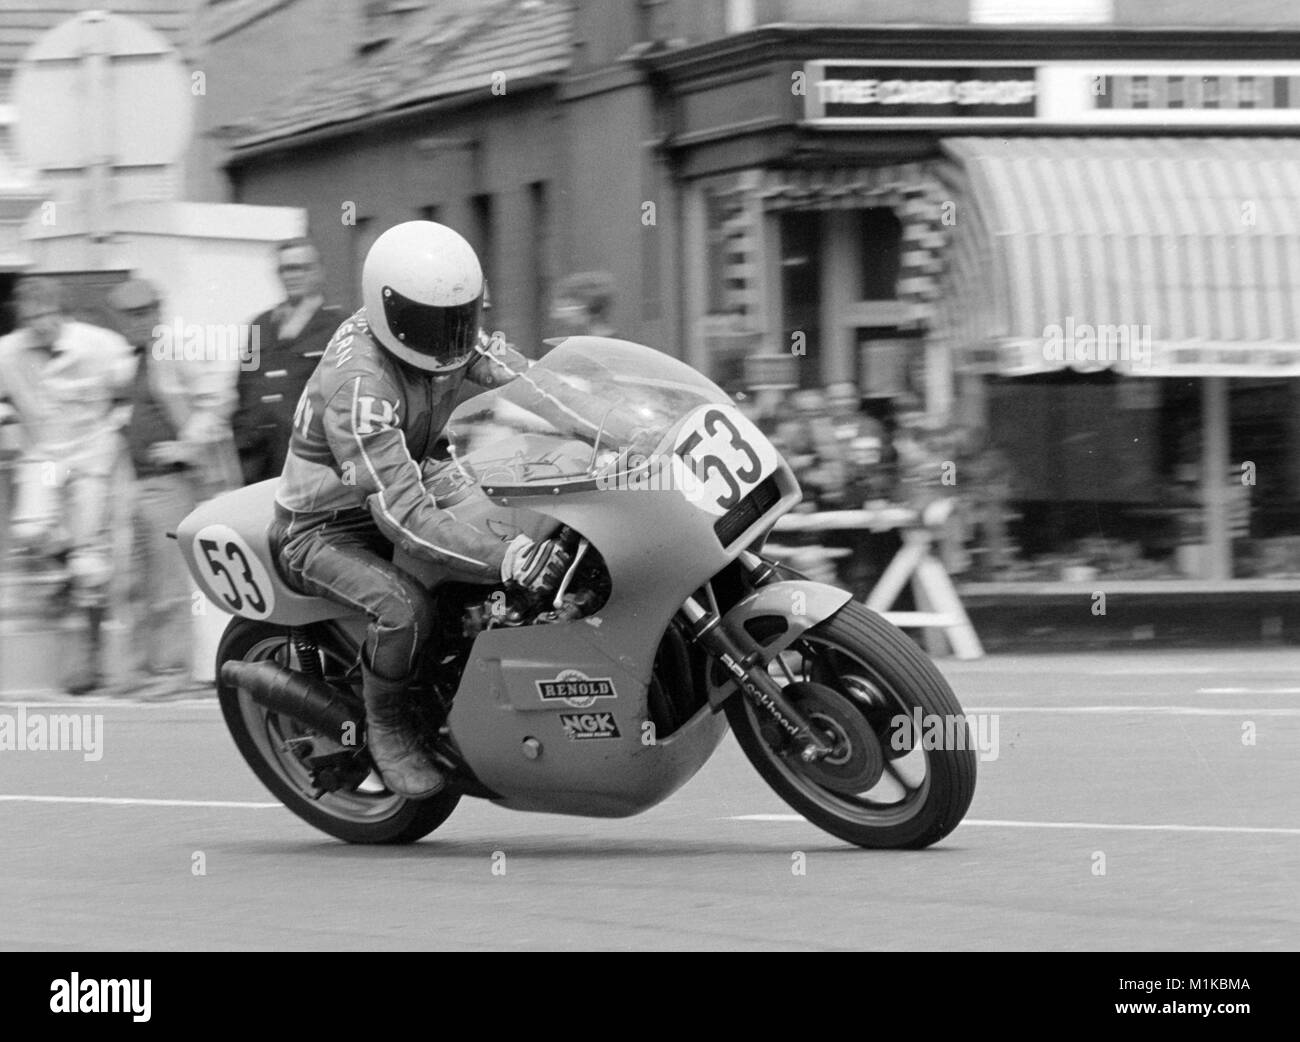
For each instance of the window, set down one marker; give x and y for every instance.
(801, 247)
(881, 239)
(484, 242)
(539, 259)
(730, 249)
(364, 234)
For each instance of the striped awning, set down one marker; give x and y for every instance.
(840, 187)
(1155, 256)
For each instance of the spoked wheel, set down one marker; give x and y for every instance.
(861, 681)
(323, 782)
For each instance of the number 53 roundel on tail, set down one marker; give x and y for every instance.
(719, 457)
(233, 577)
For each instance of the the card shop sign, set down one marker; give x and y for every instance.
(855, 93)
(863, 93)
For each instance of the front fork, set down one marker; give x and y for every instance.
(748, 667)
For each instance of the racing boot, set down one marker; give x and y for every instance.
(405, 767)
(85, 676)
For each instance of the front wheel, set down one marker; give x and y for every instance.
(902, 771)
(284, 753)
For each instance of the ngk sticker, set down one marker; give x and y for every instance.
(584, 726)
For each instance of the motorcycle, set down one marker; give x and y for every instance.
(603, 696)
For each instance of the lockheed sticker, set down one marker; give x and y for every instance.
(584, 726)
(575, 689)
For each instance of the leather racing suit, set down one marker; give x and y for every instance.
(352, 485)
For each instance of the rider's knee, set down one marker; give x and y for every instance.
(407, 609)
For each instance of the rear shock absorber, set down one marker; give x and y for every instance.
(308, 653)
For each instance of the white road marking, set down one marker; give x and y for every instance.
(1066, 666)
(1158, 710)
(125, 801)
(1087, 825)
(976, 822)
(1248, 690)
(48, 700)
(767, 817)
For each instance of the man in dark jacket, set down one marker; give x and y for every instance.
(290, 340)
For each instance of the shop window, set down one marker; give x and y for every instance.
(1076, 462)
(8, 318)
(801, 247)
(1099, 475)
(880, 235)
(1264, 477)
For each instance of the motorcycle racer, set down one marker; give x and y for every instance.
(351, 486)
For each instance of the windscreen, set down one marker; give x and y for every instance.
(575, 413)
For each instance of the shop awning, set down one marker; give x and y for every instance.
(1156, 256)
(842, 187)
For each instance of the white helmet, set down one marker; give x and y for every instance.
(423, 290)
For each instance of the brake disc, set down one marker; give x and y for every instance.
(856, 761)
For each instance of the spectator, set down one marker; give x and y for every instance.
(584, 304)
(180, 446)
(859, 447)
(838, 454)
(61, 378)
(918, 443)
(807, 440)
(291, 338)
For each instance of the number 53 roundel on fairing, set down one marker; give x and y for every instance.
(231, 574)
(720, 457)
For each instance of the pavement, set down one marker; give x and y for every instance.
(1134, 801)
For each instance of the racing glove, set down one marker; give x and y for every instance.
(535, 565)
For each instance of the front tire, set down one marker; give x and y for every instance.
(861, 678)
(274, 746)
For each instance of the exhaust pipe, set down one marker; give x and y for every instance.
(306, 699)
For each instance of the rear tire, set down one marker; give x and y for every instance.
(368, 814)
(888, 662)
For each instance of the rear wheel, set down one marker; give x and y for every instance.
(286, 754)
(861, 682)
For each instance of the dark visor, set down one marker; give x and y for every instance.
(445, 335)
